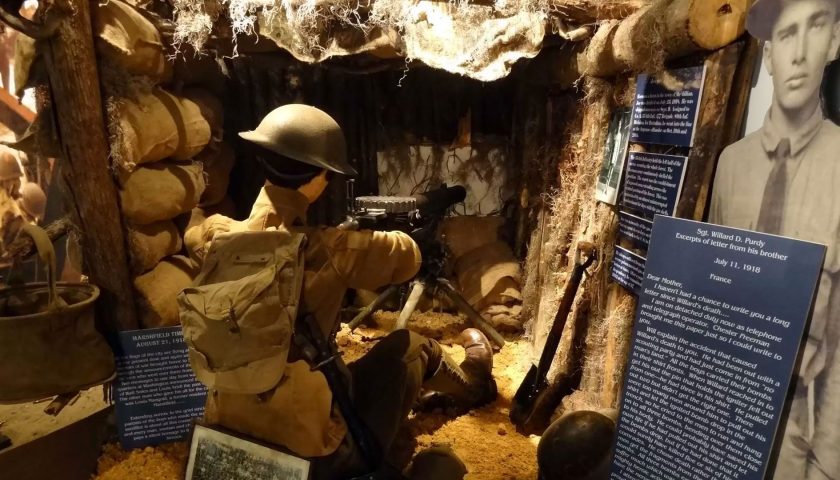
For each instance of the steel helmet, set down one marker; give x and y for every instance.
(305, 134)
(578, 446)
(33, 200)
(9, 167)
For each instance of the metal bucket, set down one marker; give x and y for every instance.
(49, 344)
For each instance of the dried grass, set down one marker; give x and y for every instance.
(307, 23)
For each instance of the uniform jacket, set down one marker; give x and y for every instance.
(811, 212)
(298, 413)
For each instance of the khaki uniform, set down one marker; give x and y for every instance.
(811, 212)
(298, 413)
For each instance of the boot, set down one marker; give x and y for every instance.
(470, 384)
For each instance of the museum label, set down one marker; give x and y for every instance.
(667, 117)
(635, 229)
(654, 182)
(156, 393)
(718, 326)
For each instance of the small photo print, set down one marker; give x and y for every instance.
(216, 455)
(614, 155)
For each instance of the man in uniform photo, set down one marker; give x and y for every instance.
(783, 179)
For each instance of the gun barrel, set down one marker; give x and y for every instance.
(438, 201)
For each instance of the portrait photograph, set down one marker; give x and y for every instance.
(782, 178)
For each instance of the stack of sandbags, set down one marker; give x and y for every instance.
(485, 269)
(167, 151)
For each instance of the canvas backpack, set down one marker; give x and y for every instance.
(238, 316)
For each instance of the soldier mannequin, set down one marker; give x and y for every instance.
(300, 146)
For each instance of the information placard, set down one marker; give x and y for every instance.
(654, 182)
(667, 117)
(635, 229)
(628, 269)
(720, 319)
(157, 396)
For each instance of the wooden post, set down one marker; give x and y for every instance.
(89, 188)
(708, 139)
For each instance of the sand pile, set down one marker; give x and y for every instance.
(484, 439)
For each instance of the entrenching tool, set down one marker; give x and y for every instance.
(535, 384)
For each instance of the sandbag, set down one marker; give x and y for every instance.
(156, 126)
(148, 244)
(158, 291)
(466, 233)
(128, 39)
(161, 191)
(218, 162)
(211, 109)
(489, 275)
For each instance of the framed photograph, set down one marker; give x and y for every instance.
(222, 455)
(614, 155)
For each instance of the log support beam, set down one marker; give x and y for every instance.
(89, 189)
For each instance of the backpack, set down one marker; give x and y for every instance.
(238, 316)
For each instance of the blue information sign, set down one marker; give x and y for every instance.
(635, 229)
(667, 117)
(157, 395)
(720, 319)
(628, 269)
(653, 183)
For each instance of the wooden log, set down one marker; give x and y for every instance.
(89, 188)
(586, 11)
(696, 25)
(599, 59)
(621, 306)
(661, 31)
(24, 247)
(708, 138)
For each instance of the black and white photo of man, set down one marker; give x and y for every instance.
(784, 179)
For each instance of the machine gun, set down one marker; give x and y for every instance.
(419, 216)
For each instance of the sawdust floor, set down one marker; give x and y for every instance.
(484, 439)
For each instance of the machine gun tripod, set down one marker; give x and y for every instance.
(418, 216)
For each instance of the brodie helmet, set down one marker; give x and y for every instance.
(577, 445)
(33, 200)
(305, 134)
(9, 167)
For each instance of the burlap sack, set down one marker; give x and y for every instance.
(211, 109)
(128, 39)
(158, 291)
(466, 233)
(148, 244)
(156, 126)
(218, 162)
(161, 191)
(489, 275)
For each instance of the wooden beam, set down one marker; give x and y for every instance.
(740, 92)
(90, 191)
(13, 114)
(655, 33)
(709, 136)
